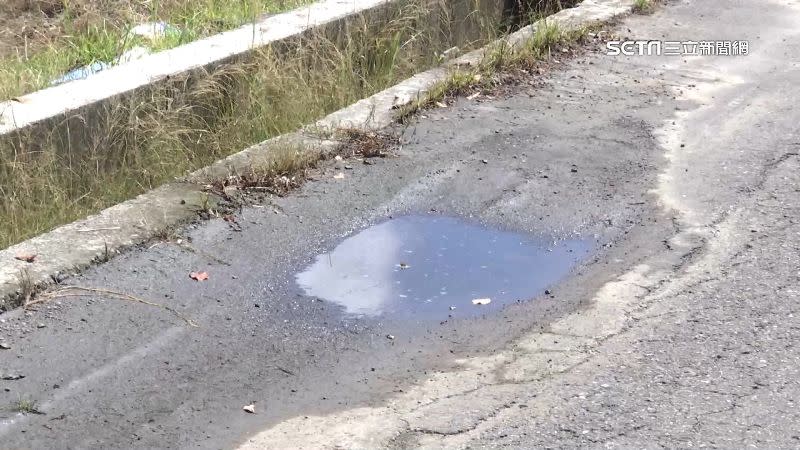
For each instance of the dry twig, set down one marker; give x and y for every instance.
(78, 291)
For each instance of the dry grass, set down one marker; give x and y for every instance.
(528, 11)
(27, 288)
(26, 406)
(287, 167)
(547, 38)
(369, 144)
(80, 292)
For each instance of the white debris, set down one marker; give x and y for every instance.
(152, 30)
(401, 100)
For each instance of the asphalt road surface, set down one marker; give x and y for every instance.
(666, 190)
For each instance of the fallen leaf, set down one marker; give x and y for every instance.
(199, 276)
(27, 257)
(441, 105)
(481, 301)
(249, 408)
(339, 176)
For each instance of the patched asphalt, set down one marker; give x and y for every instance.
(574, 154)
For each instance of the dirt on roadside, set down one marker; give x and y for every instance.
(29, 25)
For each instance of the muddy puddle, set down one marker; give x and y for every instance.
(434, 267)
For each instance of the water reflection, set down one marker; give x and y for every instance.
(434, 266)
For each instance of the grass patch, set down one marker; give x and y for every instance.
(288, 166)
(524, 12)
(643, 6)
(27, 287)
(26, 406)
(186, 123)
(91, 31)
(285, 169)
(547, 38)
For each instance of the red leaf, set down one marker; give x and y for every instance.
(27, 257)
(199, 276)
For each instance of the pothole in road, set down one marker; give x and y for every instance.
(435, 267)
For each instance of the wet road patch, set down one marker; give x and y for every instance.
(434, 267)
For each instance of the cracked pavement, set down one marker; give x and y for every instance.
(696, 345)
(678, 331)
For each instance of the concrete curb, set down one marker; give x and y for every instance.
(71, 248)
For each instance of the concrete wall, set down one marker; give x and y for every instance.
(75, 118)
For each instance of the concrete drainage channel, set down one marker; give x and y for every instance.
(74, 124)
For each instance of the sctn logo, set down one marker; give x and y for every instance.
(633, 48)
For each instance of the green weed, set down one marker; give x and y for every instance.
(502, 57)
(643, 6)
(26, 406)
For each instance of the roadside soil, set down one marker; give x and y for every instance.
(26, 25)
